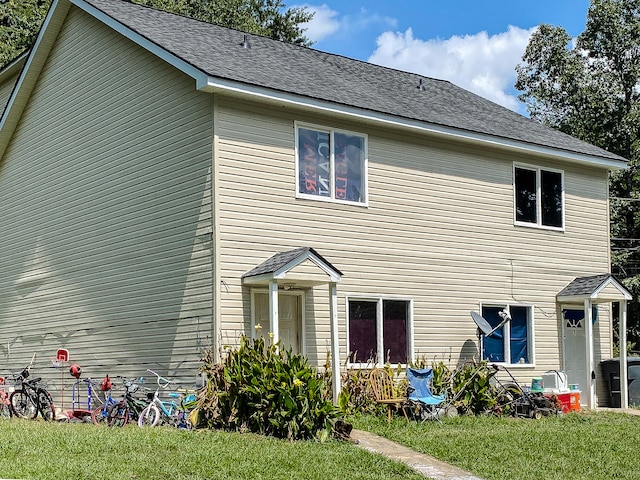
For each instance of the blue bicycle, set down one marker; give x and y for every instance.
(159, 411)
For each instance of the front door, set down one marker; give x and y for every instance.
(575, 354)
(289, 316)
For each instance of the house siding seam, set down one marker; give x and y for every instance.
(107, 246)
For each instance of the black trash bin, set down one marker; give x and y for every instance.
(611, 373)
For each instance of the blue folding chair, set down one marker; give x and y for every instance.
(425, 404)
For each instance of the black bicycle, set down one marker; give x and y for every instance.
(31, 398)
(128, 409)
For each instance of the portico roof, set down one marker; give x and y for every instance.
(597, 288)
(300, 267)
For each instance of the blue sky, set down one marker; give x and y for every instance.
(475, 44)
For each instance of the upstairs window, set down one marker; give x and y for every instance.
(331, 165)
(539, 197)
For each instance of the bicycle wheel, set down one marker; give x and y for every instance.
(22, 405)
(118, 414)
(45, 405)
(149, 417)
(99, 415)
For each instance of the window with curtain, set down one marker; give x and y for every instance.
(379, 330)
(512, 342)
(331, 165)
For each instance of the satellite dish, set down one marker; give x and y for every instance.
(485, 327)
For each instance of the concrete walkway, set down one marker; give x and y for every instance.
(426, 465)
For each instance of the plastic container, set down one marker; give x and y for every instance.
(537, 384)
(570, 401)
(555, 381)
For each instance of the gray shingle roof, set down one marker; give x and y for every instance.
(282, 67)
(584, 285)
(281, 259)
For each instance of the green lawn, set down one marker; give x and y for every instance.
(576, 446)
(35, 449)
(590, 446)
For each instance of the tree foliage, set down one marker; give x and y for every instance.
(269, 18)
(589, 89)
(20, 20)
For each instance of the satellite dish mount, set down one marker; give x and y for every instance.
(485, 327)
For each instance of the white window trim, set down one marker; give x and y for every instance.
(507, 334)
(379, 323)
(331, 132)
(538, 223)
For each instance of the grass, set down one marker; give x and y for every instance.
(574, 446)
(35, 449)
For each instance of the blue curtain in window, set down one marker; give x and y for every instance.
(578, 314)
(519, 334)
(493, 346)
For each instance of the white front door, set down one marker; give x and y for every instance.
(289, 325)
(575, 355)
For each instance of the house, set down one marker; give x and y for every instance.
(168, 185)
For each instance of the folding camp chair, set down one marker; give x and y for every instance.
(384, 391)
(425, 405)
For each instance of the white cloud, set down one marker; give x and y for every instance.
(327, 22)
(480, 63)
(323, 24)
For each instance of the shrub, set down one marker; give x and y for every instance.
(471, 385)
(267, 390)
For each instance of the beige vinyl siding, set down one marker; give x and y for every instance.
(106, 221)
(439, 229)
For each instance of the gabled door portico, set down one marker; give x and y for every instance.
(297, 270)
(584, 293)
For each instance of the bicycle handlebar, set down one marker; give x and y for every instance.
(166, 381)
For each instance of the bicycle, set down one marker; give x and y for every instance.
(100, 414)
(159, 411)
(128, 408)
(31, 397)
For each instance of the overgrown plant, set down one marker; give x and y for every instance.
(470, 384)
(264, 389)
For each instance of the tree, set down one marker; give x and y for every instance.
(589, 90)
(20, 20)
(268, 18)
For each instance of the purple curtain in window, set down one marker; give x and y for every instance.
(362, 331)
(394, 322)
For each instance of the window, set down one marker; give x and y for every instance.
(379, 330)
(512, 343)
(539, 197)
(331, 165)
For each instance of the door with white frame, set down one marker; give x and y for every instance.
(575, 348)
(290, 325)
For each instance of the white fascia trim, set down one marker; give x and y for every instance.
(229, 86)
(15, 64)
(606, 283)
(145, 43)
(30, 56)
